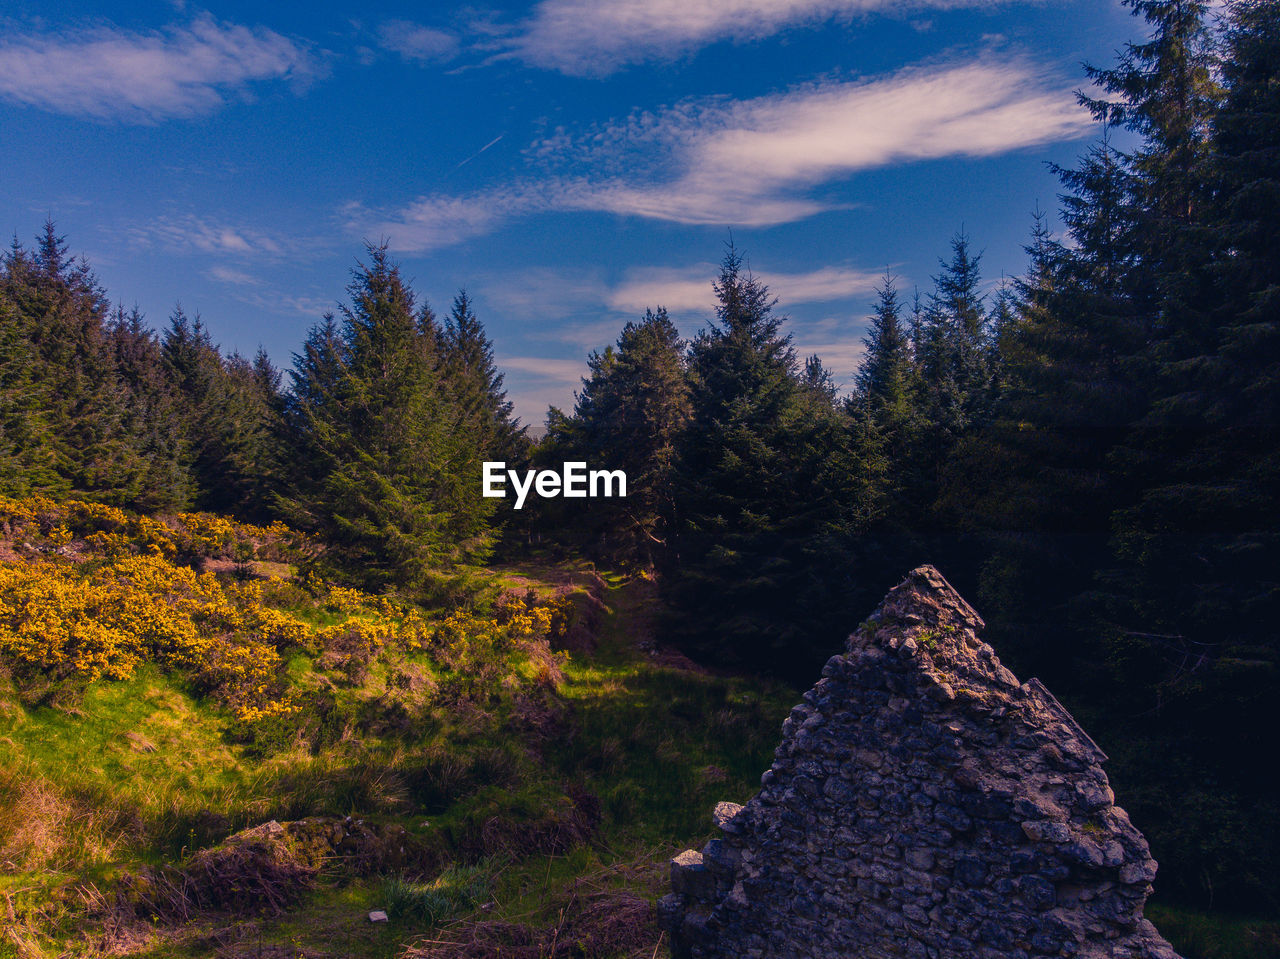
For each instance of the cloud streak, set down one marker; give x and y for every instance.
(199, 234)
(106, 73)
(757, 162)
(417, 43)
(590, 38)
(560, 371)
(689, 289)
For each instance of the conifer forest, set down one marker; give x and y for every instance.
(236, 594)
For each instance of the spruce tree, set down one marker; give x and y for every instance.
(885, 410)
(62, 311)
(476, 383)
(26, 453)
(630, 415)
(151, 418)
(885, 383)
(381, 477)
(766, 494)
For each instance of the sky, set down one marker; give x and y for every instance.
(568, 162)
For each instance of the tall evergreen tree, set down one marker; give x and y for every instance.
(630, 415)
(954, 360)
(379, 477)
(62, 311)
(26, 455)
(886, 378)
(230, 409)
(151, 417)
(766, 495)
(885, 408)
(476, 383)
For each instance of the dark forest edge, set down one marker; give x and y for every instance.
(1092, 450)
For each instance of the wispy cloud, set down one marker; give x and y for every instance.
(840, 357)
(418, 43)
(288, 304)
(757, 162)
(590, 38)
(441, 220)
(751, 162)
(543, 292)
(223, 274)
(200, 234)
(689, 288)
(108, 73)
(562, 371)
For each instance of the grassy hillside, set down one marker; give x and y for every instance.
(207, 750)
(517, 770)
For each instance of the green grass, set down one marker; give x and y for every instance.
(1200, 935)
(81, 801)
(142, 772)
(455, 891)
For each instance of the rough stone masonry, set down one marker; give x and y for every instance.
(922, 804)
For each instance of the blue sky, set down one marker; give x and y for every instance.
(569, 162)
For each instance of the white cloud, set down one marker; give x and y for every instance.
(107, 73)
(543, 293)
(288, 304)
(234, 277)
(562, 371)
(591, 38)
(416, 42)
(435, 221)
(689, 289)
(193, 233)
(758, 162)
(751, 162)
(840, 357)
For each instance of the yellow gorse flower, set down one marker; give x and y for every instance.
(120, 598)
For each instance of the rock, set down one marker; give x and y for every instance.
(723, 814)
(1047, 831)
(922, 803)
(690, 876)
(377, 916)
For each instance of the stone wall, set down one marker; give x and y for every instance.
(922, 804)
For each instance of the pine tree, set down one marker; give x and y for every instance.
(886, 379)
(62, 309)
(230, 411)
(26, 455)
(630, 415)
(765, 494)
(885, 411)
(1198, 550)
(476, 383)
(380, 473)
(251, 433)
(954, 391)
(818, 381)
(151, 416)
(1036, 482)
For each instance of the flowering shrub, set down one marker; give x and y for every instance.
(107, 530)
(115, 596)
(56, 620)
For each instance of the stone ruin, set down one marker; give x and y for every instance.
(922, 804)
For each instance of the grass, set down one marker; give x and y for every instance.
(549, 793)
(457, 890)
(1199, 935)
(143, 772)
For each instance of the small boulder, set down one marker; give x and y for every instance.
(723, 815)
